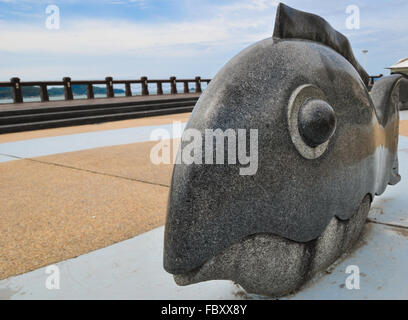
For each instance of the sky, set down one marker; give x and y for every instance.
(127, 39)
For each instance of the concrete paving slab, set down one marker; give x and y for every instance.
(133, 269)
(130, 161)
(50, 213)
(141, 122)
(403, 127)
(382, 259)
(402, 143)
(6, 158)
(82, 141)
(392, 206)
(404, 115)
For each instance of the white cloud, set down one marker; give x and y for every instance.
(258, 5)
(142, 4)
(207, 32)
(104, 37)
(99, 37)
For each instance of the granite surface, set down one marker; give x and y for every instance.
(295, 24)
(404, 94)
(295, 196)
(274, 266)
(212, 206)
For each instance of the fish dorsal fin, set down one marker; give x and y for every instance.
(295, 24)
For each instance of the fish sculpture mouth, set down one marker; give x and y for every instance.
(326, 146)
(280, 266)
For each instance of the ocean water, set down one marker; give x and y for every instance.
(77, 97)
(6, 100)
(136, 91)
(55, 98)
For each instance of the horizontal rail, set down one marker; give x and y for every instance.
(372, 78)
(17, 92)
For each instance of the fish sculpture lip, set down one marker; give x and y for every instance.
(326, 146)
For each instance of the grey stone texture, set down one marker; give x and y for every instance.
(268, 221)
(317, 122)
(274, 266)
(404, 94)
(294, 24)
(302, 125)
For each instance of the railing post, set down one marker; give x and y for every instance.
(109, 87)
(128, 89)
(16, 89)
(173, 85)
(44, 93)
(186, 88)
(67, 88)
(90, 91)
(145, 87)
(159, 88)
(198, 84)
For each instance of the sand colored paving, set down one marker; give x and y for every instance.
(50, 213)
(57, 207)
(131, 161)
(403, 128)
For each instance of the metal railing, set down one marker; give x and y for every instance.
(372, 80)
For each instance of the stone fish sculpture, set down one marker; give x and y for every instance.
(326, 148)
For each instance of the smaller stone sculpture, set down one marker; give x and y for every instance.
(404, 94)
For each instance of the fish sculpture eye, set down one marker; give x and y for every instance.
(311, 121)
(317, 122)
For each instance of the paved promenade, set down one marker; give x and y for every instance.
(68, 191)
(92, 192)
